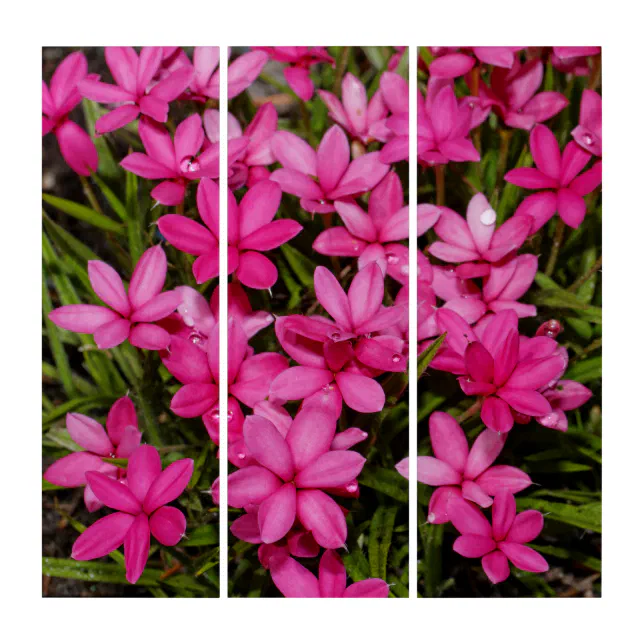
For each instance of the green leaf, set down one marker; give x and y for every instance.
(83, 213)
(428, 355)
(300, 264)
(134, 236)
(380, 536)
(203, 535)
(78, 404)
(586, 370)
(587, 516)
(107, 166)
(570, 555)
(117, 205)
(387, 481)
(94, 571)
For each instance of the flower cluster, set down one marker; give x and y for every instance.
(474, 275)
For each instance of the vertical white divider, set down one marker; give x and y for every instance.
(223, 322)
(413, 325)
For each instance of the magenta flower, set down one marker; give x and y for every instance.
(141, 509)
(369, 236)
(131, 315)
(134, 88)
(395, 94)
(299, 60)
(331, 351)
(564, 396)
(456, 470)
(122, 438)
(513, 95)
(178, 161)
(338, 176)
(494, 367)
(291, 473)
(362, 119)
(294, 580)
(58, 101)
(557, 175)
(249, 378)
(475, 242)
(251, 231)
(451, 63)
(242, 72)
(507, 282)
(588, 134)
(504, 539)
(443, 128)
(249, 152)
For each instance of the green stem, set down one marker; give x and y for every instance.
(340, 69)
(471, 411)
(586, 276)
(556, 245)
(439, 170)
(89, 193)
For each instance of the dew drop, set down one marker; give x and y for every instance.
(488, 217)
(392, 258)
(197, 338)
(335, 336)
(431, 517)
(396, 358)
(189, 164)
(588, 139)
(352, 487)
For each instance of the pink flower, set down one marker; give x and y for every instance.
(369, 236)
(588, 134)
(573, 60)
(563, 396)
(504, 539)
(495, 367)
(395, 94)
(334, 354)
(362, 119)
(205, 81)
(249, 152)
(475, 242)
(294, 580)
(557, 175)
(513, 95)
(178, 161)
(121, 439)
(290, 477)
(456, 470)
(134, 88)
(251, 231)
(443, 127)
(75, 144)
(338, 176)
(450, 63)
(131, 316)
(300, 60)
(141, 509)
(249, 378)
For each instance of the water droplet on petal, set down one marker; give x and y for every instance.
(588, 139)
(392, 258)
(396, 358)
(335, 336)
(197, 338)
(189, 164)
(352, 487)
(488, 217)
(241, 456)
(431, 517)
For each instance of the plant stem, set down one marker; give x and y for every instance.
(307, 122)
(503, 153)
(439, 170)
(340, 69)
(89, 193)
(471, 411)
(556, 245)
(586, 276)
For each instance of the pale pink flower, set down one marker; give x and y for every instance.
(141, 510)
(177, 161)
(443, 128)
(558, 176)
(120, 440)
(369, 236)
(131, 315)
(504, 539)
(475, 242)
(292, 476)
(395, 94)
(294, 580)
(58, 101)
(337, 176)
(134, 89)
(513, 95)
(455, 469)
(360, 117)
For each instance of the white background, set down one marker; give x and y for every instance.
(29, 26)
